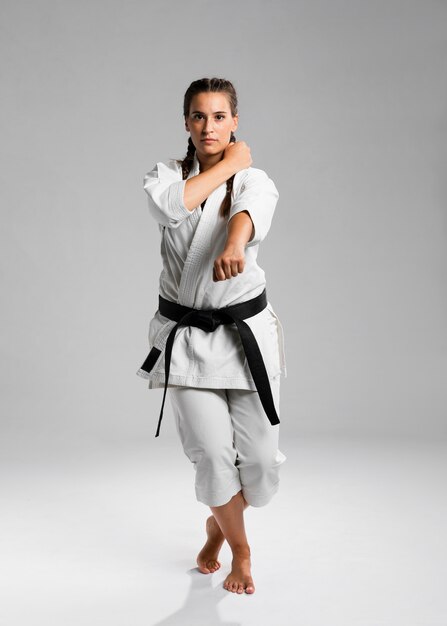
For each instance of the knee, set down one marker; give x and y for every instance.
(260, 477)
(255, 460)
(217, 478)
(261, 462)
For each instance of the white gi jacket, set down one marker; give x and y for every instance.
(190, 242)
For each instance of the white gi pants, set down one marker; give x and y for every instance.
(230, 441)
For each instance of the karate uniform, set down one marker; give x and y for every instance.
(190, 242)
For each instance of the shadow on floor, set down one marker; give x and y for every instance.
(201, 604)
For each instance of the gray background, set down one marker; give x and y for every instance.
(343, 104)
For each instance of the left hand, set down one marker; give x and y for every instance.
(230, 263)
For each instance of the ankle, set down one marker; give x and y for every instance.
(241, 551)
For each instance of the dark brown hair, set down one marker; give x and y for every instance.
(200, 86)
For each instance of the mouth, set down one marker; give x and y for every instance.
(208, 140)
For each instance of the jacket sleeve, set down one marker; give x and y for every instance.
(259, 196)
(165, 195)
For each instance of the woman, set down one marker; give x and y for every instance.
(215, 336)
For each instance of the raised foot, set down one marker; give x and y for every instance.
(207, 557)
(239, 579)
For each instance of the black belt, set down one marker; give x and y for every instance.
(208, 320)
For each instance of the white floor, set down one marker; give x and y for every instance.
(107, 534)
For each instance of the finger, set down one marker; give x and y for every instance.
(227, 270)
(235, 268)
(217, 277)
(220, 275)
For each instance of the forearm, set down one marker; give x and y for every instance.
(199, 187)
(240, 229)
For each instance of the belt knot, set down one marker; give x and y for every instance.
(204, 319)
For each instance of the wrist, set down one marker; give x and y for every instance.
(237, 242)
(224, 166)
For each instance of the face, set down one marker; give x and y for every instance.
(210, 117)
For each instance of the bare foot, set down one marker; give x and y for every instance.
(207, 557)
(239, 579)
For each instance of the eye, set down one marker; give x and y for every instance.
(221, 116)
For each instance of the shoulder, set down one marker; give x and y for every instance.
(169, 165)
(251, 178)
(168, 169)
(250, 173)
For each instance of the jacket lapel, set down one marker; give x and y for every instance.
(200, 244)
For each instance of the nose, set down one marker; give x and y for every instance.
(208, 126)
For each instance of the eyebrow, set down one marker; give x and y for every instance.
(215, 112)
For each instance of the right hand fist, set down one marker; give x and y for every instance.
(237, 153)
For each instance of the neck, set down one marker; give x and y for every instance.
(207, 161)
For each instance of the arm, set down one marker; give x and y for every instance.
(172, 200)
(199, 187)
(236, 157)
(240, 228)
(258, 197)
(232, 260)
(248, 223)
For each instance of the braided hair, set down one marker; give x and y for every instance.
(200, 86)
